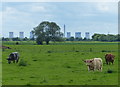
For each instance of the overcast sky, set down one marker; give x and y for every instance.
(93, 17)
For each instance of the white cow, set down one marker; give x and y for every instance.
(94, 64)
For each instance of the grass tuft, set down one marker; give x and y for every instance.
(70, 81)
(22, 63)
(34, 60)
(49, 51)
(28, 84)
(68, 66)
(105, 51)
(76, 51)
(109, 71)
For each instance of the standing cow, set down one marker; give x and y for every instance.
(109, 58)
(94, 64)
(14, 56)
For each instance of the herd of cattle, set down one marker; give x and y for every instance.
(92, 64)
(96, 63)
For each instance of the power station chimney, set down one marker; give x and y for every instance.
(64, 30)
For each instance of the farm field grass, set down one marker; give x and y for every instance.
(59, 65)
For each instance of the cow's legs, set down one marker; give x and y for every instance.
(88, 68)
(112, 61)
(100, 68)
(9, 62)
(94, 67)
(17, 60)
(106, 62)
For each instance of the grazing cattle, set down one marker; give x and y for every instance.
(109, 58)
(94, 64)
(14, 56)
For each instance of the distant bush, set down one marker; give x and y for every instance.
(22, 63)
(17, 43)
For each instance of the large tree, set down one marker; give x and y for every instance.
(47, 31)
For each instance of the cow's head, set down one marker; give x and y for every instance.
(88, 61)
(9, 60)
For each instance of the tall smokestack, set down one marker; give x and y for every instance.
(64, 30)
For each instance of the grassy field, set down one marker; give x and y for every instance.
(59, 64)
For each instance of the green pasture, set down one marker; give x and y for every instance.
(59, 64)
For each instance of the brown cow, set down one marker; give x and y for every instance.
(109, 58)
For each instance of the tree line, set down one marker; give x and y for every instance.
(50, 31)
(95, 37)
(16, 39)
(98, 37)
(104, 37)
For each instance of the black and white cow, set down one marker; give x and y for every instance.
(14, 56)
